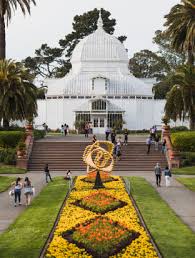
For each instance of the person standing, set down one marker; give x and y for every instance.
(94, 138)
(148, 143)
(125, 137)
(168, 175)
(158, 173)
(17, 191)
(47, 173)
(65, 129)
(27, 190)
(62, 129)
(163, 150)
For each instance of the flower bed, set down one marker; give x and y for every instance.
(105, 177)
(86, 233)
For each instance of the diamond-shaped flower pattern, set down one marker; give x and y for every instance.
(101, 237)
(100, 202)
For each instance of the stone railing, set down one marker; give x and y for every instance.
(22, 159)
(172, 156)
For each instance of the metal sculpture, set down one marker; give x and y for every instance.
(99, 157)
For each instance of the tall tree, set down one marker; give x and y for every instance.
(147, 64)
(50, 62)
(181, 28)
(165, 49)
(17, 92)
(181, 98)
(7, 7)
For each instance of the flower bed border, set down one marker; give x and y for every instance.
(67, 236)
(91, 182)
(142, 221)
(51, 234)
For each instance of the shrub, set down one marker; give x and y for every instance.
(13, 128)
(179, 129)
(8, 156)
(184, 141)
(39, 134)
(10, 139)
(187, 159)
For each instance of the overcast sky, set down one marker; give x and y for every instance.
(49, 22)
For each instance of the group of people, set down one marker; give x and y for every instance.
(154, 137)
(17, 190)
(64, 129)
(88, 129)
(158, 173)
(112, 135)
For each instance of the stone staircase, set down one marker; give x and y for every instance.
(68, 155)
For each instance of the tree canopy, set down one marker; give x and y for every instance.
(18, 94)
(180, 23)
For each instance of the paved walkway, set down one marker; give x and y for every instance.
(179, 198)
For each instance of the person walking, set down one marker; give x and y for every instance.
(47, 173)
(163, 150)
(113, 137)
(65, 129)
(148, 143)
(126, 137)
(168, 175)
(28, 191)
(107, 132)
(62, 129)
(17, 191)
(157, 139)
(86, 130)
(94, 139)
(118, 151)
(158, 173)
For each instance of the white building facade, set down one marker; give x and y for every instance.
(100, 89)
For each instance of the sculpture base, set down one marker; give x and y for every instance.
(98, 181)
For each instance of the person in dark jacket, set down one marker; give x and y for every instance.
(47, 173)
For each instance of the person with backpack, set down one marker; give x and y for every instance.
(47, 173)
(168, 175)
(158, 173)
(17, 191)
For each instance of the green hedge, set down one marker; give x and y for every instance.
(179, 129)
(39, 134)
(8, 156)
(10, 139)
(184, 141)
(187, 159)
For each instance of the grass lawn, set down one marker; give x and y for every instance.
(184, 171)
(11, 170)
(27, 235)
(173, 237)
(188, 182)
(5, 182)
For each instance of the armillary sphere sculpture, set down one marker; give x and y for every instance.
(99, 157)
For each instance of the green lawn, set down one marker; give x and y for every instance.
(184, 171)
(27, 235)
(5, 182)
(188, 182)
(173, 237)
(11, 170)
